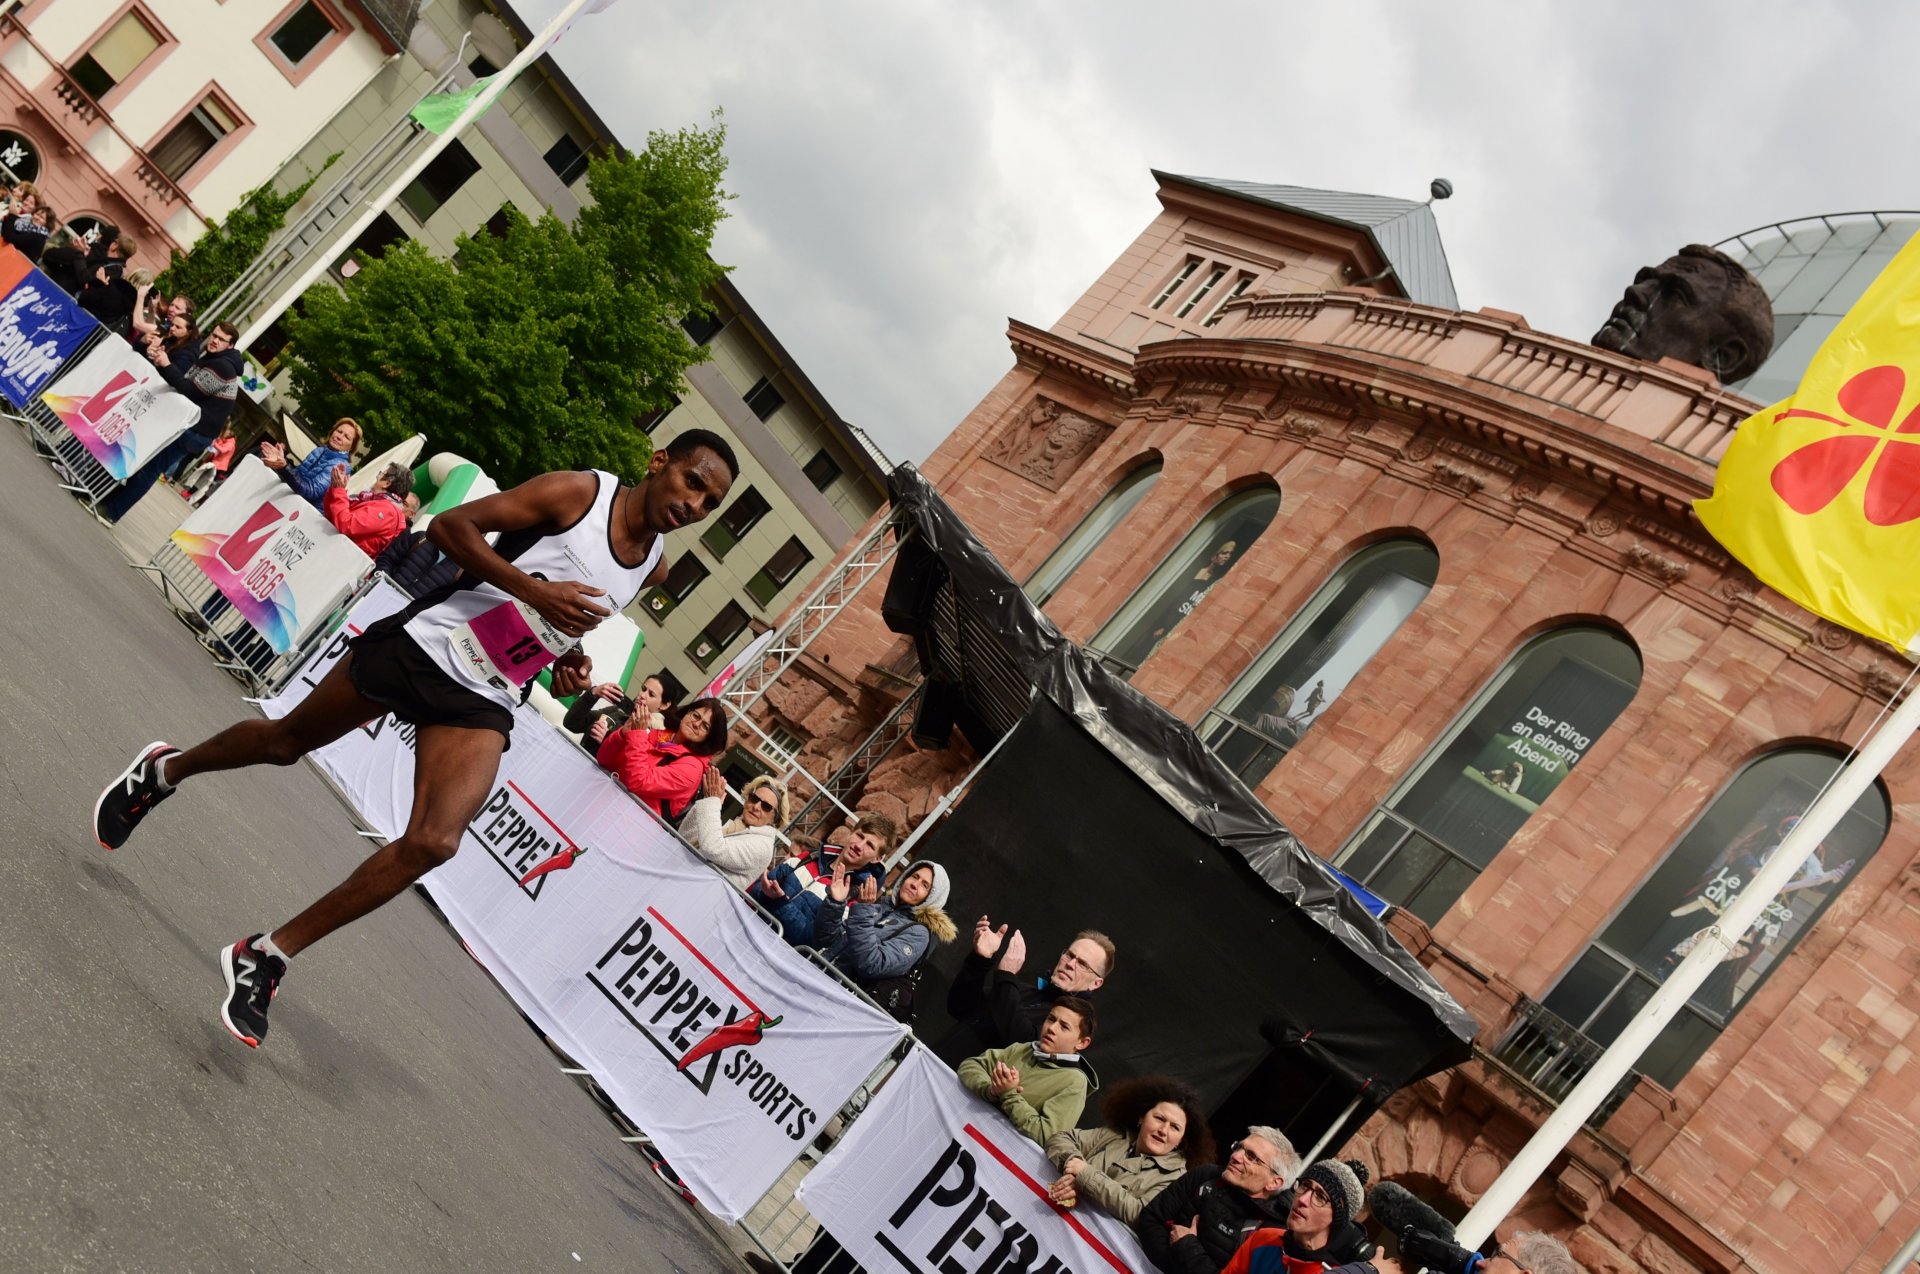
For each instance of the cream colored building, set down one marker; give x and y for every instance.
(158, 115)
(807, 480)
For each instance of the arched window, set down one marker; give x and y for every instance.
(1333, 637)
(1700, 875)
(1203, 559)
(1520, 737)
(1079, 546)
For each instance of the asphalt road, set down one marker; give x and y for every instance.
(402, 1115)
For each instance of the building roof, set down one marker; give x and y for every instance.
(1404, 231)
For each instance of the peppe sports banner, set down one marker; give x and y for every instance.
(634, 956)
(275, 557)
(40, 327)
(931, 1178)
(119, 407)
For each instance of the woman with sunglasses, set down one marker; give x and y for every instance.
(741, 848)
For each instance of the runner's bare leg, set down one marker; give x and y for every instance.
(333, 708)
(453, 770)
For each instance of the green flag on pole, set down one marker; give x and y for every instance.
(437, 111)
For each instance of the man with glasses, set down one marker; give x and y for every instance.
(997, 1006)
(1196, 1224)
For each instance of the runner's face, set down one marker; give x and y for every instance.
(696, 725)
(684, 490)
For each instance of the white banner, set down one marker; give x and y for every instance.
(638, 959)
(119, 407)
(275, 557)
(932, 1178)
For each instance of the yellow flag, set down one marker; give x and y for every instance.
(1819, 494)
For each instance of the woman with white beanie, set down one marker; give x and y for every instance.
(742, 848)
(871, 938)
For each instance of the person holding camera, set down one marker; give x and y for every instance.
(210, 382)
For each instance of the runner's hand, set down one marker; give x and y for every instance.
(572, 673)
(567, 605)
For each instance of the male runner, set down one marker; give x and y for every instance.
(573, 548)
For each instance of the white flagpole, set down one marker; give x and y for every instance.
(1672, 995)
(537, 46)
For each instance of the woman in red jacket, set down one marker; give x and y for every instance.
(664, 767)
(375, 519)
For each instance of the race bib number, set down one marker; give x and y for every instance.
(508, 645)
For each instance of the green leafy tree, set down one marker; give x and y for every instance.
(543, 346)
(217, 257)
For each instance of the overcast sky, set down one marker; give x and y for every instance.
(909, 175)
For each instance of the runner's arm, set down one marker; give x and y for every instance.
(552, 499)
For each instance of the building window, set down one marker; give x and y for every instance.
(1171, 593)
(1176, 283)
(763, 399)
(482, 67)
(1239, 290)
(677, 587)
(567, 159)
(732, 526)
(651, 420)
(382, 233)
(781, 746)
(719, 633)
(779, 571)
(1699, 877)
(1493, 768)
(188, 142)
(302, 32)
(1085, 538)
(1318, 655)
(702, 326)
(1192, 303)
(821, 470)
(114, 56)
(500, 222)
(439, 180)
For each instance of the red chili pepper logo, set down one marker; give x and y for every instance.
(745, 1031)
(559, 862)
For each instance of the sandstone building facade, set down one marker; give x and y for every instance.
(1429, 582)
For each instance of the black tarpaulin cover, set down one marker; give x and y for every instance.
(1105, 811)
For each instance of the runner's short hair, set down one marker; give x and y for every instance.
(683, 447)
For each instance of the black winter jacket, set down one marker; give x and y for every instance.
(416, 565)
(1228, 1216)
(994, 1009)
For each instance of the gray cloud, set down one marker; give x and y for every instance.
(910, 175)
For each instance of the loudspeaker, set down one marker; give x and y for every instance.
(939, 706)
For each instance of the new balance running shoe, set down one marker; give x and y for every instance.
(127, 799)
(253, 977)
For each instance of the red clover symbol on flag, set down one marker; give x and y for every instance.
(1810, 477)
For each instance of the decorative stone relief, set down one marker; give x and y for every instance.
(1736, 587)
(1048, 444)
(1602, 525)
(1300, 425)
(1461, 480)
(1419, 449)
(1880, 684)
(1832, 636)
(1664, 569)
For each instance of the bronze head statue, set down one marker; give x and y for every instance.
(1698, 306)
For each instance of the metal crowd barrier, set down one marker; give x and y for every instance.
(72, 463)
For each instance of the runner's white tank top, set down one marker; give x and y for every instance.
(495, 645)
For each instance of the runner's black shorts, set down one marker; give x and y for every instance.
(389, 668)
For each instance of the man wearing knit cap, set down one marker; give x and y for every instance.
(1322, 1230)
(1195, 1225)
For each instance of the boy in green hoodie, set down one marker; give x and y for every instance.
(1042, 1087)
